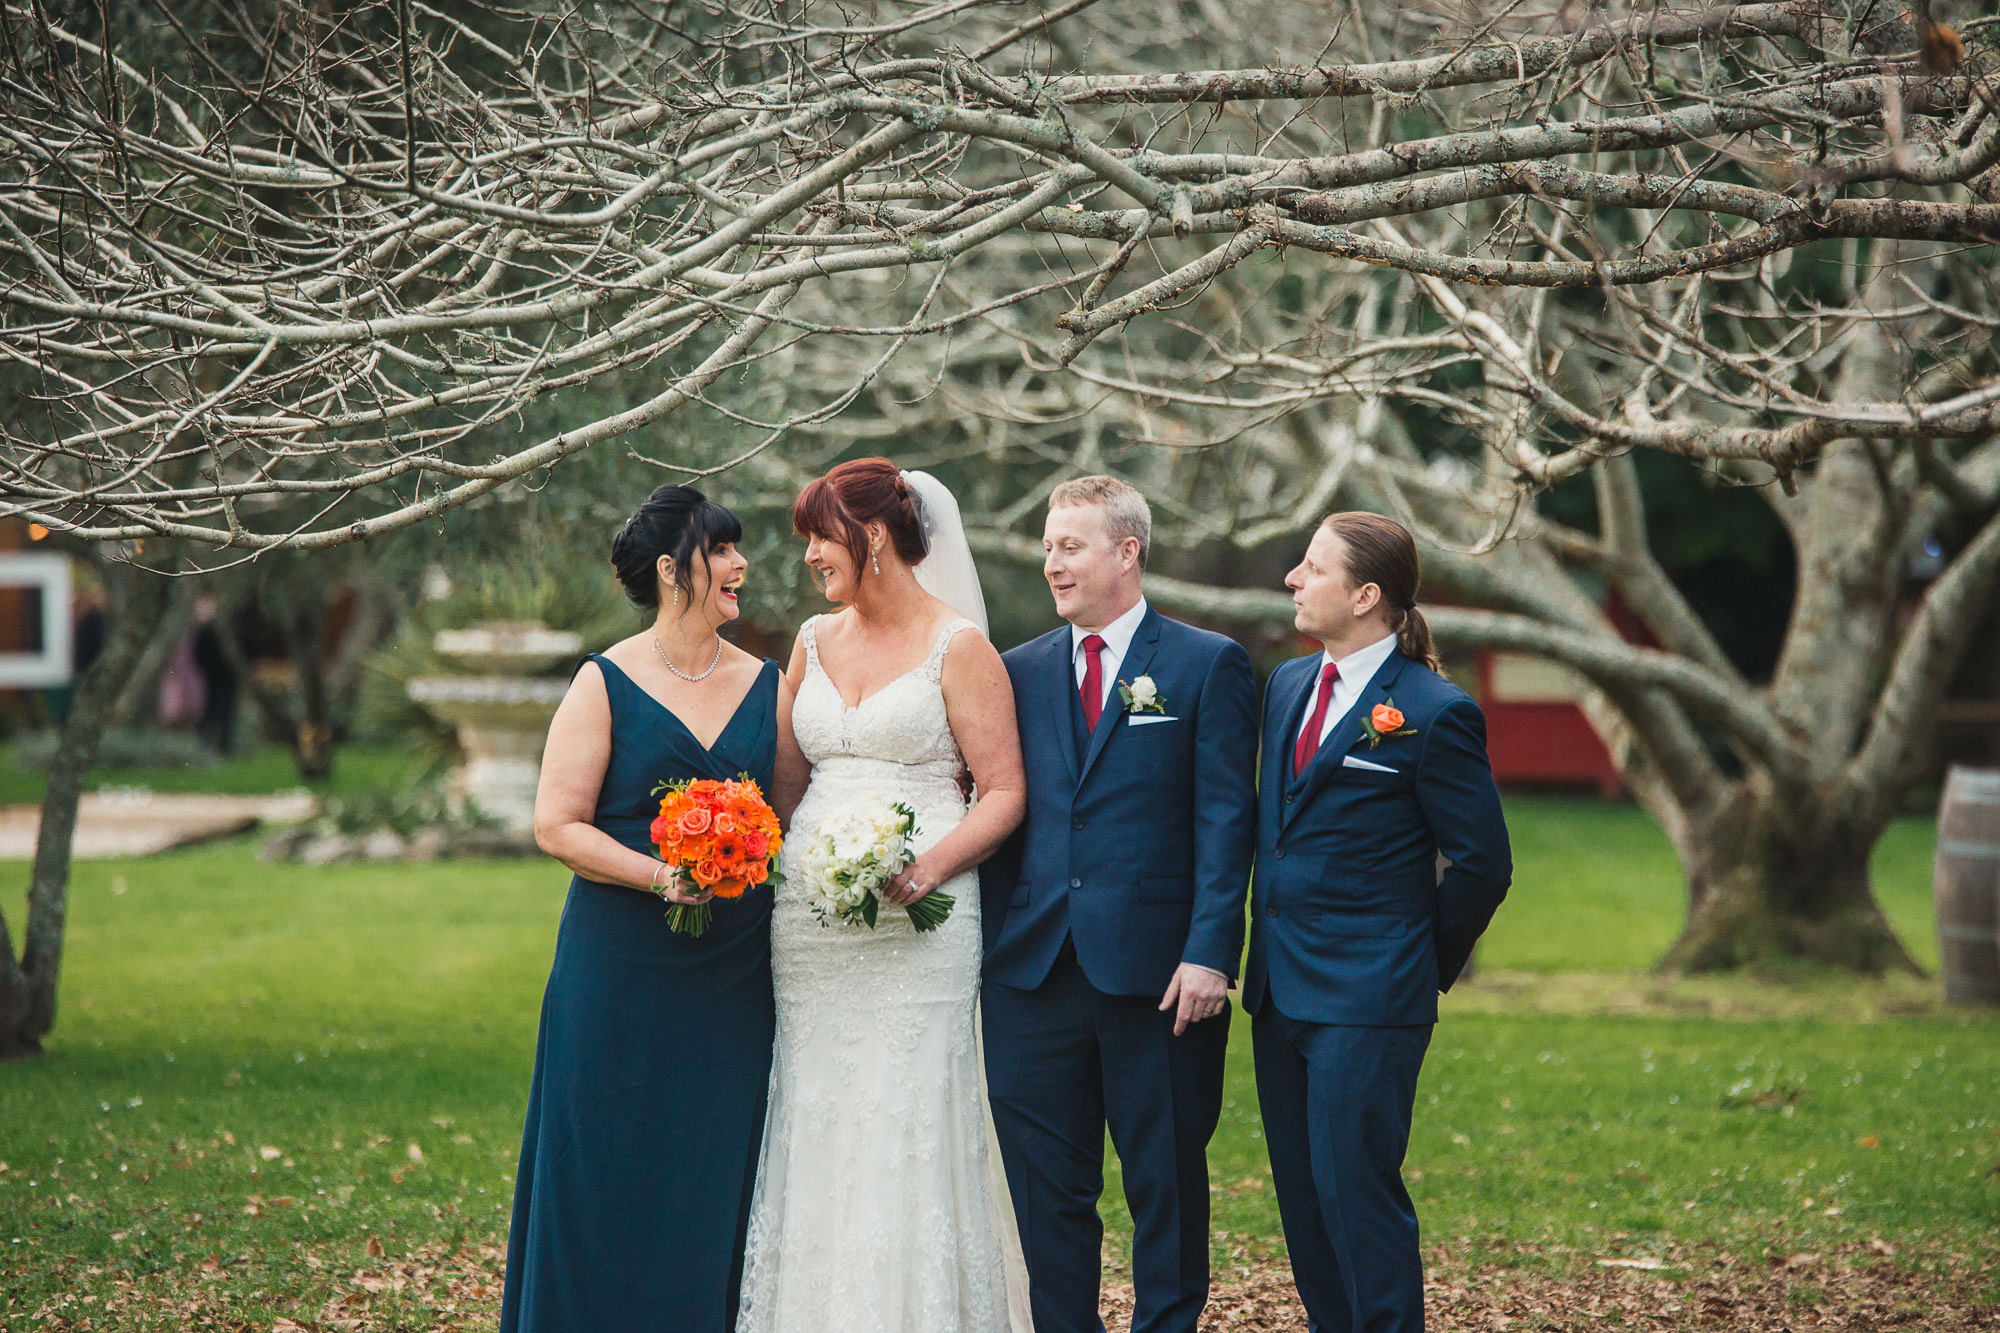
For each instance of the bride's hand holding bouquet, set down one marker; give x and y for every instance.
(862, 856)
(910, 883)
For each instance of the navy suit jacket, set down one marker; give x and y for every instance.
(1351, 923)
(1138, 849)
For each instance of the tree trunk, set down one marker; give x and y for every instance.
(140, 604)
(1770, 883)
(304, 716)
(138, 701)
(312, 738)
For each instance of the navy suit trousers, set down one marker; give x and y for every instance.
(1337, 1103)
(1077, 1059)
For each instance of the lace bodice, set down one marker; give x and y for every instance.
(904, 722)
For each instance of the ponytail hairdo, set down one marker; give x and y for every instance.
(1382, 551)
(675, 521)
(839, 506)
(1413, 639)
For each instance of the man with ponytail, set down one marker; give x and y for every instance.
(1373, 767)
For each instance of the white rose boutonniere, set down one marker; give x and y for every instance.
(1142, 696)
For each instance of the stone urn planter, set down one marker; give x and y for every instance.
(500, 707)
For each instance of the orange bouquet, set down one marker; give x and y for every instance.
(722, 835)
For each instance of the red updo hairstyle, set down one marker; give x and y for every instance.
(839, 506)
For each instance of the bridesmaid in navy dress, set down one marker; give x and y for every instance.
(647, 1107)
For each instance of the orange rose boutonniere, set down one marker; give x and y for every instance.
(1383, 721)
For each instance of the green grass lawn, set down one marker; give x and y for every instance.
(357, 769)
(1622, 1134)
(260, 1068)
(1596, 888)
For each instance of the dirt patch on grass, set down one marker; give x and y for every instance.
(1797, 995)
(438, 1290)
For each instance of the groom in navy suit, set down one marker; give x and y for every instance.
(1373, 767)
(1114, 920)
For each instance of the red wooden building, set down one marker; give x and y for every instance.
(1536, 732)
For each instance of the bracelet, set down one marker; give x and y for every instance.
(659, 889)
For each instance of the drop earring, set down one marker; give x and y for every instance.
(875, 559)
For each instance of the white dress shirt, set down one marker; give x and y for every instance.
(1117, 638)
(1356, 670)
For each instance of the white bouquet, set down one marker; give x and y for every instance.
(856, 851)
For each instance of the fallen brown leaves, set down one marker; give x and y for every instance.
(432, 1288)
(1858, 1287)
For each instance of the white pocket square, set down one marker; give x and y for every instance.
(1147, 719)
(1349, 761)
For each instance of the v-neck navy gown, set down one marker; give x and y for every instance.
(647, 1108)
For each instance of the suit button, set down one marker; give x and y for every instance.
(1270, 911)
(1280, 853)
(1076, 823)
(1288, 798)
(1076, 884)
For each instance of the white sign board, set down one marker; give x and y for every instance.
(47, 572)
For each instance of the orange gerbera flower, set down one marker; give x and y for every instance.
(723, 834)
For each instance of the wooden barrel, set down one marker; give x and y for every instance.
(1966, 883)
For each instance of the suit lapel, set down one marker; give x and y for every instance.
(1347, 732)
(1059, 667)
(1138, 657)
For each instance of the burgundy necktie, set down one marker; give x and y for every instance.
(1093, 681)
(1308, 745)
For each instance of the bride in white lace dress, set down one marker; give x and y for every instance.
(880, 1203)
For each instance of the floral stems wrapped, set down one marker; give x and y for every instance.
(722, 835)
(854, 853)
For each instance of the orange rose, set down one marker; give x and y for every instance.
(757, 872)
(725, 822)
(705, 873)
(1386, 718)
(695, 821)
(757, 845)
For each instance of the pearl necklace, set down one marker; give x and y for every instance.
(692, 680)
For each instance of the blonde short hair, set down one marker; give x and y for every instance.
(1126, 512)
